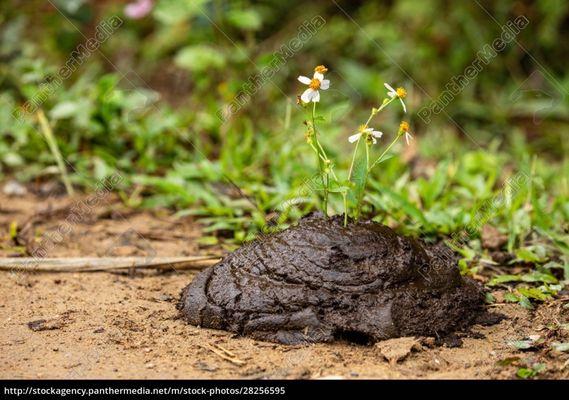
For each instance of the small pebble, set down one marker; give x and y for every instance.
(14, 188)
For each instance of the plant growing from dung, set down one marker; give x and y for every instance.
(362, 162)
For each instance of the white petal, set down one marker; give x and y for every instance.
(307, 95)
(325, 84)
(391, 94)
(319, 76)
(368, 130)
(408, 137)
(304, 79)
(374, 141)
(389, 87)
(403, 104)
(354, 138)
(316, 96)
(377, 134)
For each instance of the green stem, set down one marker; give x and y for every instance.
(52, 143)
(361, 194)
(365, 126)
(321, 152)
(321, 155)
(326, 192)
(383, 105)
(345, 198)
(384, 152)
(371, 115)
(353, 159)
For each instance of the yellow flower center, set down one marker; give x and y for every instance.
(314, 84)
(321, 68)
(401, 93)
(404, 127)
(362, 128)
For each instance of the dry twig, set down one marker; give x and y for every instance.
(91, 264)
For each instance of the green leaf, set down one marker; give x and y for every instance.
(208, 240)
(175, 11)
(200, 58)
(532, 371)
(511, 297)
(342, 187)
(522, 344)
(246, 19)
(533, 293)
(433, 188)
(527, 255)
(537, 276)
(65, 109)
(359, 175)
(561, 347)
(70, 6)
(525, 302)
(411, 210)
(497, 280)
(12, 159)
(13, 230)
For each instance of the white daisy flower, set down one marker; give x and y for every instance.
(317, 82)
(404, 129)
(368, 132)
(400, 93)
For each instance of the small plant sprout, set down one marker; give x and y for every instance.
(352, 190)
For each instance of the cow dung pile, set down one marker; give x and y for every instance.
(319, 281)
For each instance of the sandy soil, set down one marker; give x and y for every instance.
(120, 325)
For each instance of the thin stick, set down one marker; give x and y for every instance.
(221, 352)
(92, 264)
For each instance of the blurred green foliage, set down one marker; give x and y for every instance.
(147, 103)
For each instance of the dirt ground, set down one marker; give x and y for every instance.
(124, 325)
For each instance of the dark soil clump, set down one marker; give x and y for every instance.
(319, 281)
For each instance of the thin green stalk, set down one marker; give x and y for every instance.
(385, 104)
(353, 159)
(322, 169)
(325, 198)
(365, 126)
(361, 194)
(52, 144)
(321, 150)
(384, 152)
(345, 199)
(371, 115)
(321, 158)
(326, 192)
(327, 169)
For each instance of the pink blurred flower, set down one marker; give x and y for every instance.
(138, 9)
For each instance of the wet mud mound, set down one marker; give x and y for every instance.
(319, 281)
